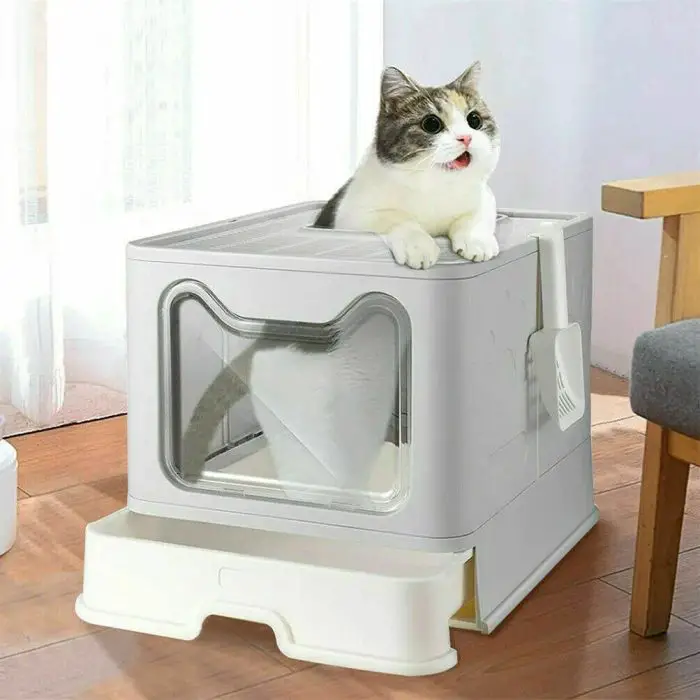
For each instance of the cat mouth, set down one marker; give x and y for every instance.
(460, 162)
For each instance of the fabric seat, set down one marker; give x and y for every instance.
(665, 377)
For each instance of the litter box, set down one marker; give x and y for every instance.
(382, 465)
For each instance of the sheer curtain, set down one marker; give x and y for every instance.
(128, 118)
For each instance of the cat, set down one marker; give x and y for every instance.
(425, 173)
(325, 413)
(325, 410)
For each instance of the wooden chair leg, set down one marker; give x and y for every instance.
(664, 486)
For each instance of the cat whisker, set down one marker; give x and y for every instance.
(417, 151)
(416, 165)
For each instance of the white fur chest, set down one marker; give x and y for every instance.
(377, 196)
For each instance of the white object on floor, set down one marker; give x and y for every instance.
(557, 349)
(361, 607)
(8, 496)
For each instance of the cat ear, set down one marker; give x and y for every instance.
(469, 80)
(396, 84)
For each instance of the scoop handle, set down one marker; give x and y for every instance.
(552, 258)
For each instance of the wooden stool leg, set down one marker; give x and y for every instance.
(664, 486)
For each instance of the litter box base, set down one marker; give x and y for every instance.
(350, 604)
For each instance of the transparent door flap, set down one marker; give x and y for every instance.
(307, 412)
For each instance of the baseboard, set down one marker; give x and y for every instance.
(616, 363)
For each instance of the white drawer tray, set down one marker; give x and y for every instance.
(342, 604)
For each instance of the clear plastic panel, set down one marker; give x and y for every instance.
(312, 413)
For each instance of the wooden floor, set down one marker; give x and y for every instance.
(568, 639)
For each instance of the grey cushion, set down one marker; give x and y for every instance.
(665, 377)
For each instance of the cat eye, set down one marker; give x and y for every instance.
(474, 120)
(432, 124)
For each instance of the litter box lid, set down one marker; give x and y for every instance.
(284, 239)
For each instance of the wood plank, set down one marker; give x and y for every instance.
(679, 680)
(618, 450)
(50, 652)
(609, 546)
(667, 271)
(329, 683)
(684, 448)
(41, 576)
(686, 599)
(609, 397)
(76, 454)
(554, 646)
(117, 665)
(653, 197)
(660, 522)
(565, 639)
(686, 295)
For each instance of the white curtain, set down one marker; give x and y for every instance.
(128, 118)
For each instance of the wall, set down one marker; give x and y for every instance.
(585, 92)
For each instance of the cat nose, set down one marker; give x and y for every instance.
(466, 139)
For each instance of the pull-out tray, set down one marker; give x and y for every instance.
(350, 605)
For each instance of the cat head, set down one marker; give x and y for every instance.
(448, 127)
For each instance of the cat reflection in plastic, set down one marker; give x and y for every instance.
(426, 172)
(326, 411)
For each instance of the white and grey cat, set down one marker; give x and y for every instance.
(325, 414)
(426, 173)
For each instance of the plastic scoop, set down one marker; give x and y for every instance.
(557, 349)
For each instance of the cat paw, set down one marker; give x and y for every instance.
(476, 246)
(413, 248)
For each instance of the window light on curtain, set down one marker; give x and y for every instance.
(133, 117)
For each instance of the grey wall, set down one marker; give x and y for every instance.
(585, 92)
